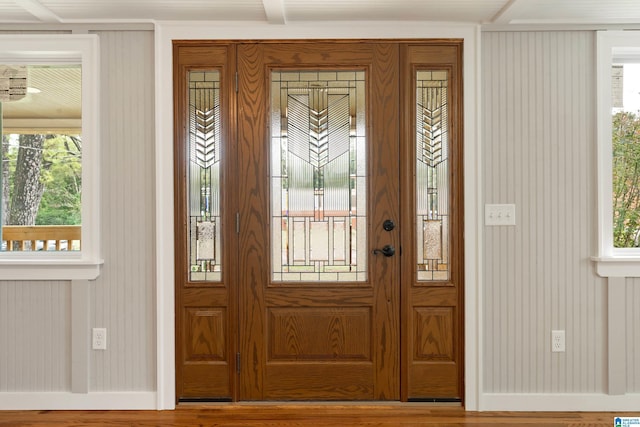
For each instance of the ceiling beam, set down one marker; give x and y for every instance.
(514, 9)
(275, 11)
(36, 8)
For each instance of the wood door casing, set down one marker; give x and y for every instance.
(432, 311)
(205, 311)
(271, 313)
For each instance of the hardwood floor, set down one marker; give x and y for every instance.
(317, 415)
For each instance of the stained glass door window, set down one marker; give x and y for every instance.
(318, 179)
(432, 176)
(203, 193)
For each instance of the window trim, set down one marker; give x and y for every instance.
(610, 261)
(86, 263)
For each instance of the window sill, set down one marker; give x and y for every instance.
(618, 266)
(50, 269)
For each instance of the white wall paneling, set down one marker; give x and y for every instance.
(539, 145)
(80, 342)
(632, 337)
(35, 336)
(617, 336)
(539, 153)
(123, 295)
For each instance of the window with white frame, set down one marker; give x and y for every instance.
(618, 109)
(50, 167)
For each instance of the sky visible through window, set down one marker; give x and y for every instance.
(631, 88)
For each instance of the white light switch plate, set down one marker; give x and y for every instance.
(499, 214)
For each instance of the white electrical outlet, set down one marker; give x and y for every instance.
(99, 338)
(557, 341)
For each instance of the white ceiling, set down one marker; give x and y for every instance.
(281, 12)
(53, 103)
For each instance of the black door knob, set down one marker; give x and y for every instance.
(388, 225)
(387, 250)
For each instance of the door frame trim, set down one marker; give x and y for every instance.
(166, 32)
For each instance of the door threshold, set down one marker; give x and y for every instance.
(332, 403)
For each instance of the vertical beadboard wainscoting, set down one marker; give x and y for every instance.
(45, 349)
(539, 145)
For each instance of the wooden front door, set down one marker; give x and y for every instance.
(298, 275)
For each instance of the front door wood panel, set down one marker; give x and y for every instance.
(316, 341)
(290, 332)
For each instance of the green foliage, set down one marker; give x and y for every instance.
(62, 178)
(626, 180)
(61, 174)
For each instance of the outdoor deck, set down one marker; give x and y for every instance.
(41, 237)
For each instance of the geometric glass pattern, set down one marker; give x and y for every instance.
(318, 176)
(203, 193)
(432, 176)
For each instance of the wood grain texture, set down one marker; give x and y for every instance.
(271, 415)
(432, 352)
(205, 334)
(384, 203)
(253, 208)
(319, 333)
(205, 346)
(434, 335)
(290, 331)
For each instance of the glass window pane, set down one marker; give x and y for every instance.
(203, 195)
(318, 179)
(432, 176)
(41, 169)
(625, 140)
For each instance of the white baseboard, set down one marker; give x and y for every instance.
(77, 401)
(560, 402)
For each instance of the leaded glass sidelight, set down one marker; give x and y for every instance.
(318, 180)
(432, 176)
(203, 192)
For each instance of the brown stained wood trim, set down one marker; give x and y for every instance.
(219, 378)
(344, 415)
